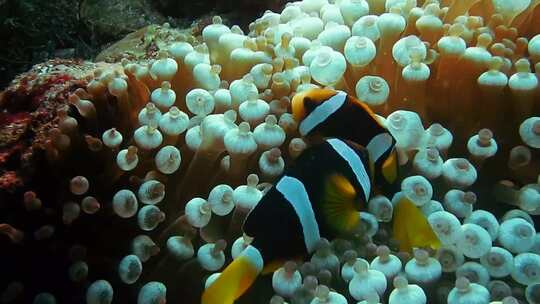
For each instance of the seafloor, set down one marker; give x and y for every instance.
(126, 171)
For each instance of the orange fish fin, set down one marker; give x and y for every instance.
(411, 227)
(236, 279)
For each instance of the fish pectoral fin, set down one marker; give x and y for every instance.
(236, 279)
(339, 188)
(338, 205)
(411, 227)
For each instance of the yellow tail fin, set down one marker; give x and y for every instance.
(235, 279)
(411, 227)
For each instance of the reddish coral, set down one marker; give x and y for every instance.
(28, 110)
(12, 129)
(30, 90)
(7, 153)
(10, 181)
(7, 118)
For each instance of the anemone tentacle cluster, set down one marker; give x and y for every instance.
(159, 158)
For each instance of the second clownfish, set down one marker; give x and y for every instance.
(330, 113)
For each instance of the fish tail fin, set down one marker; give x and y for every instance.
(411, 227)
(236, 279)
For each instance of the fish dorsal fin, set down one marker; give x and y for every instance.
(338, 204)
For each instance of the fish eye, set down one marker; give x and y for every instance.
(309, 104)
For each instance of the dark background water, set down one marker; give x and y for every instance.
(32, 31)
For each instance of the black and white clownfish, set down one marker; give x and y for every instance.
(328, 113)
(319, 196)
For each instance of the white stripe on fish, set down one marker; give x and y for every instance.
(355, 163)
(322, 112)
(378, 145)
(295, 193)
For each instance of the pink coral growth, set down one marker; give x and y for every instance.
(28, 110)
(10, 181)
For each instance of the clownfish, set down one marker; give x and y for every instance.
(328, 113)
(321, 194)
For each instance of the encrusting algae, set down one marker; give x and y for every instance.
(342, 151)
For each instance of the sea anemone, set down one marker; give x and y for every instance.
(446, 226)
(366, 281)
(386, 263)
(450, 258)
(467, 292)
(526, 268)
(516, 235)
(151, 164)
(405, 292)
(423, 269)
(474, 241)
(486, 220)
(498, 262)
(474, 272)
